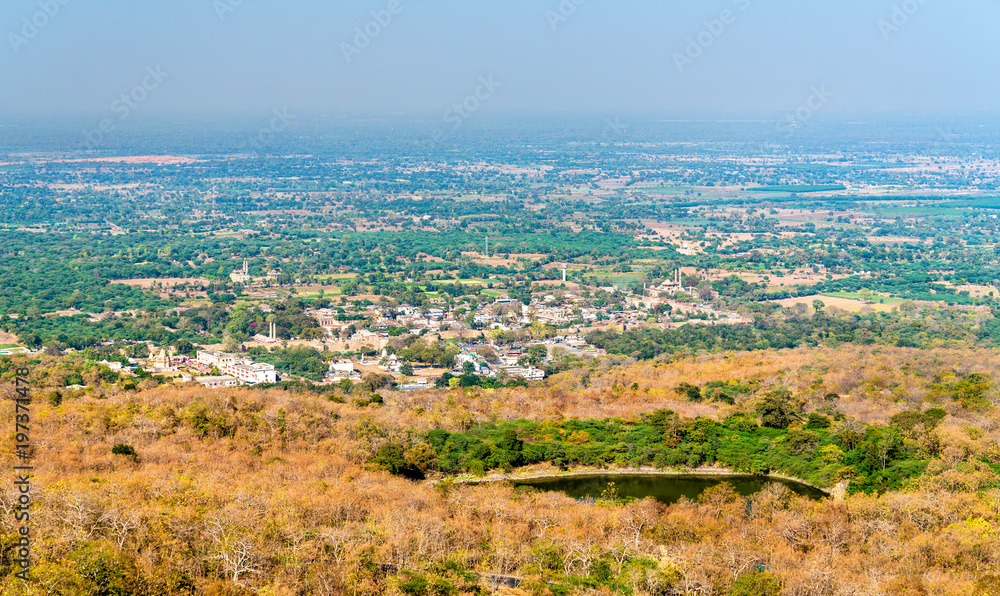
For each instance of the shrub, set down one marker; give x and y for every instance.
(392, 458)
(756, 584)
(413, 584)
(227, 588)
(689, 391)
(126, 450)
(443, 587)
(817, 422)
(557, 455)
(742, 424)
(799, 441)
(107, 573)
(776, 410)
(971, 391)
(936, 415)
(55, 399)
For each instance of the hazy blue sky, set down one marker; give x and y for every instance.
(607, 56)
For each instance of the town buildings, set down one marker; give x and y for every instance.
(244, 370)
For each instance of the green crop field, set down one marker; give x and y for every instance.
(799, 188)
(858, 296)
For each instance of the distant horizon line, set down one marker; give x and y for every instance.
(424, 115)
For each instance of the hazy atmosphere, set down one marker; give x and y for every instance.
(71, 57)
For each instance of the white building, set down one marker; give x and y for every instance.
(344, 366)
(253, 373)
(327, 317)
(223, 381)
(461, 359)
(243, 370)
(336, 377)
(220, 360)
(390, 363)
(530, 373)
(241, 276)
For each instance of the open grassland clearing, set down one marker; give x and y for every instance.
(978, 291)
(803, 277)
(848, 304)
(165, 282)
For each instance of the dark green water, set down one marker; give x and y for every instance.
(665, 489)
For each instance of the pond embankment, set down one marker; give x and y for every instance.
(541, 476)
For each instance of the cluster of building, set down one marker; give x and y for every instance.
(686, 311)
(509, 364)
(343, 369)
(559, 309)
(242, 276)
(234, 369)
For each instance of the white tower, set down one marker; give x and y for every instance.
(564, 273)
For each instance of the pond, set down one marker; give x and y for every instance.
(665, 489)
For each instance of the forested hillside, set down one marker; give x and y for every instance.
(160, 490)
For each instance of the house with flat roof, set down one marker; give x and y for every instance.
(253, 373)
